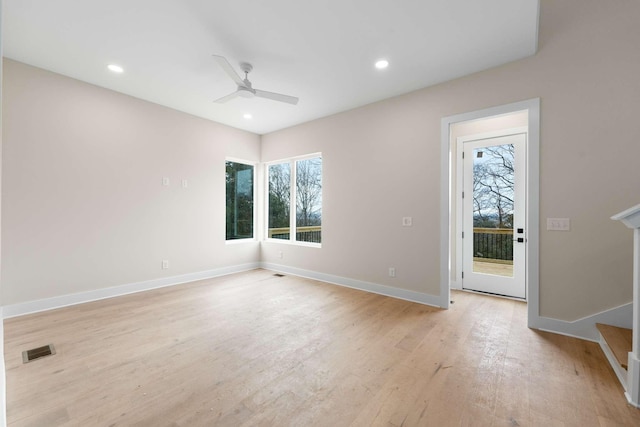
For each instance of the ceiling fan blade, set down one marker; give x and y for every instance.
(227, 97)
(222, 61)
(276, 96)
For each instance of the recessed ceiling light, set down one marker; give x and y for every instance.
(248, 116)
(381, 64)
(115, 68)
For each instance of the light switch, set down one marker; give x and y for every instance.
(558, 224)
(185, 183)
(407, 221)
(165, 181)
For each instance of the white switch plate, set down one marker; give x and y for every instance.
(185, 183)
(558, 224)
(407, 221)
(165, 263)
(165, 181)
(392, 272)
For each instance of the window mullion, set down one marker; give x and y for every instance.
(294, 202)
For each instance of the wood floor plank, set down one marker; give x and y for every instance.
(252, 349)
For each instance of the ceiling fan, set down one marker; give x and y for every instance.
(245, 89)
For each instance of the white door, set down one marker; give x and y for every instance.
(493, 217)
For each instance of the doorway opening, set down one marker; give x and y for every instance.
(499, 251)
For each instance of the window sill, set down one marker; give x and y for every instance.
(294, 243)
(239, 241)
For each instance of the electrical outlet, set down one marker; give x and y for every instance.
(165, 264)
(392, 272)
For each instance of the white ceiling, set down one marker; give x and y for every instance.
(322, 52)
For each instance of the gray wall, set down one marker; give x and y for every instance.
(84, 207)
(381, 163)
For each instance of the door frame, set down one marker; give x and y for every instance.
(448, 217)
(459, 201)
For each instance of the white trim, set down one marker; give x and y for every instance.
(258, 228)
(240, 241)
(493, 134)
(532, 106)
(293, 194)
(585, 328)
(254, 165)
(3, 378)
(242, 161)
(294, 158)
(445, 209)
(295, 243)
(621, 373)
(375, 288)
(633, 378)
(631, 218)
(29, 307)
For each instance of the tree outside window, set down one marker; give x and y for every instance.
(305, 194)
(279, 200)
(239, 193)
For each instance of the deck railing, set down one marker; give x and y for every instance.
(493, 244)
(312, 234)
(489, 244)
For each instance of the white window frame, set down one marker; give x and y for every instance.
(292, 199)
(255, 201)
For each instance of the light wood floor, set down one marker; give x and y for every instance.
(257, 350)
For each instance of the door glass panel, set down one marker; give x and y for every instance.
(493, 200)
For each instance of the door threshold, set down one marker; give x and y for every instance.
(489, 294)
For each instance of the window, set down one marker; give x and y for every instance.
(239, 180)
(279, 200)
(309, 200)
(295, 200)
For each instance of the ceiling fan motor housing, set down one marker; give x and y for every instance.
(246, 67)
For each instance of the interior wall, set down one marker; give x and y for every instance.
(3, 404)
(381, 163)
(374, 163)
(84, 205)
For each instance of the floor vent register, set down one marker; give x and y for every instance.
(38, 353)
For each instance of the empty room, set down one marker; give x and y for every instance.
(338, 213)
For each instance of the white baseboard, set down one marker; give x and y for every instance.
(620, 372)
(585, 328)
(29, 307)
(3, 379)
(632, 391)
(432, 300)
